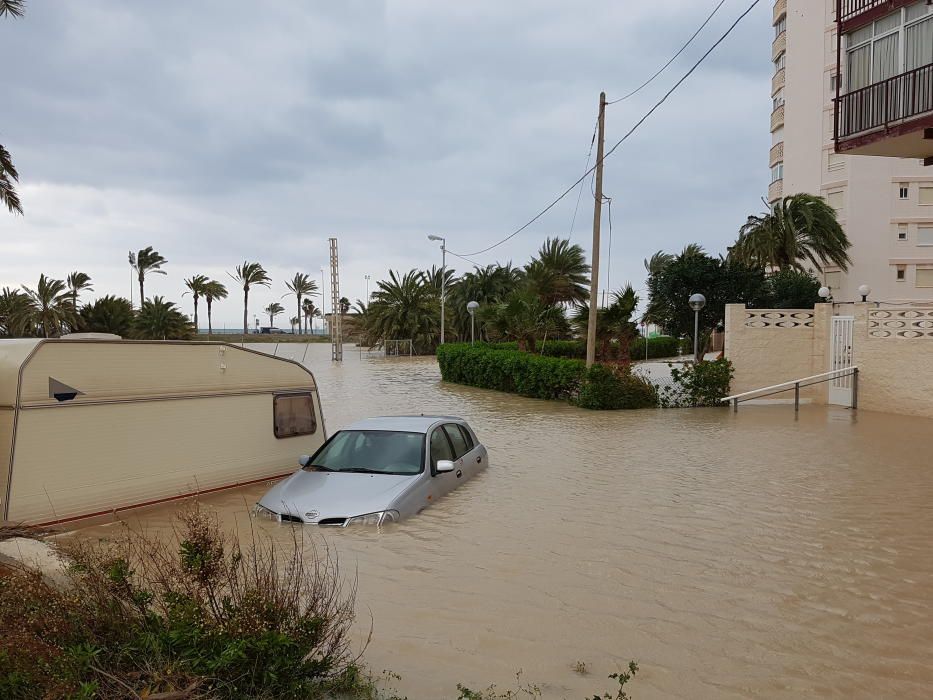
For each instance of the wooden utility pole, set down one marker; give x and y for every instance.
(597, 222)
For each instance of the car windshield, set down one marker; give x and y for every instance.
(371, 452)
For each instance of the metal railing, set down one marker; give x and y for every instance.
(796, 385)
(896, 99)
(853, 8)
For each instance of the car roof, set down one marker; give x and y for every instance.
(411, 424)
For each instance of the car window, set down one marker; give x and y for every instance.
(456, 439)
(467, 437)
(440, 447)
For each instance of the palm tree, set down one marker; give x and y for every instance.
(344, 305)
(195, 287)
(50, 308)
(559, 273)
(658, 262)
(296, 322)
(612, 323)
(212, 290)
(309, 311)
(274, 309)
(487, 286)
(13, 8)
(9, 176)
(249, 274)
(78, 282)
(800, 228)
(161, 320)
(522, 317)
(146, 261)
(301, 285)
(403, 307)
(108, 314)
(14, 313)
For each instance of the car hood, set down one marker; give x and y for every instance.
(335, 495)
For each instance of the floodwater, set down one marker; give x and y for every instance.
(749, 555)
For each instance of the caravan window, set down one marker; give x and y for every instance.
(293, 414)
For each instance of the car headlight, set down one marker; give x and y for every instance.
(263, 512)
(380, 518)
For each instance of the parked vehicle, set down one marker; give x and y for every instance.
(267, 330)
(376, 471)
(94, 424)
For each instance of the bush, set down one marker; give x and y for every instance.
(700, 384)
(659, 346)
(610, 388)
(510, 370)
(199, 616)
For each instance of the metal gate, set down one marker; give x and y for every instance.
(840, 357)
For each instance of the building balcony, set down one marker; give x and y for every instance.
(779, 45)
(776, 155)
(777, 119)
(893, 117)
(777, 82)
(775, 191)
(780, 9)
(853, 14)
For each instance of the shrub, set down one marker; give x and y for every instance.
(510, 370)
(611, 388)
(659, 346)
(197, 616)
(698, 384)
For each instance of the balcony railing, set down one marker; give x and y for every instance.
(780, 8)
(853, 13)
(891, 101)
(777, 118)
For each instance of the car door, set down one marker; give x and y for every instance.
(440, 448)
(463, 459)
(474, 457)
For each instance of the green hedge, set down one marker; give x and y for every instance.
(658, 347)
(542, 377)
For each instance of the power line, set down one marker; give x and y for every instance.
(673, 58)
(625, 137)
(580, 191)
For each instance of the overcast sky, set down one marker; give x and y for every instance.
(219, 131)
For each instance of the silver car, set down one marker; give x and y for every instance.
(376, 471)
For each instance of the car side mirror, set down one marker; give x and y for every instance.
(304, 460)
(444, 466)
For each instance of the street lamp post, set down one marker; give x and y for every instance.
(367, 288)
(443, 241)
(472, 307)
(864, 290)
(697, 302)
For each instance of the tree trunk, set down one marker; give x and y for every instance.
(141, 290)
(196, 329)
(209, 326)
(299, 314)
(245, 307)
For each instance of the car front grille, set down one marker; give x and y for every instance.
(332, 522)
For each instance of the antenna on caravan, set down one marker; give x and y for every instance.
(336, 327)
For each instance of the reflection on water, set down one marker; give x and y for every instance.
(733, 555)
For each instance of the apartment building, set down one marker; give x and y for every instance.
(885, 203)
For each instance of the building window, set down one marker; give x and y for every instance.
(924, 277)
(835, 199)
(925, 235)
(926, 194)
(901, 273)
(903, 190)
(778, 99)
(833, 80)
(897, 43)
(902, 232)
(780, 61)
(833, 280)
(293, 414)
(780, 27)
(777, 172)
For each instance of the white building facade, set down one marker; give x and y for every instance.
(885, 204)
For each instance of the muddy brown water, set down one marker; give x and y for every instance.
(733, 555)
